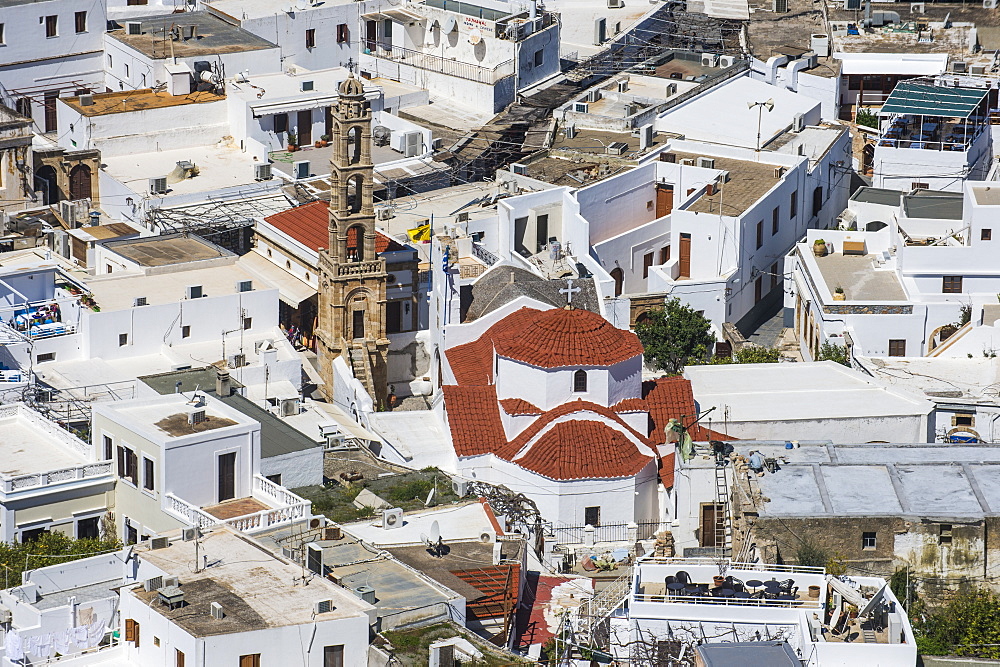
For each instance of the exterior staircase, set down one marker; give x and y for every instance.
(361, 366)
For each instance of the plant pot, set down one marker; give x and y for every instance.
(819, 249)
(317, 144)
(814, 592)
(322, 144)
(292, 148)
(718, 581)
(839, 296)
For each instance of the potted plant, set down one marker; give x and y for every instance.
(324, 141)
(819, 247)
(293, 140)
(838, 294)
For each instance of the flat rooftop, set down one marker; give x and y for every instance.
(169, 249)
(957, 379)
(824, 479)
(214, 36)
(137, 100)
(238, 10)
(770, 33)
(221, 165)
(987, 195)
(785, 392)
(859, 277)
(253, 586)
(118, 291)
(32, 444)
(168, 415)
(459, 522)
(748, 182)
(597, 141)
(933, 204)
(880, 196)
(897, 38)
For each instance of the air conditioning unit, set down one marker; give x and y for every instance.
(290, 407)
(5, 615)
(86, 100)
(978, 70)
(623, 86)
(216, 610)
(570, 131)
(314, 558)
(687, 162)
(159, 543)
(237, 360)
(323, 607)
(244, 286)
(153, 584)
(300, 169)
(726, 61)
(581, 107)
(139, 301)
(67, 210)
(460, 487)
(779, 172)
(196, 416)
(780, 6)
(392, 518)
(412, 143)
(615, 4)
(462, 217)
(958, 66)
(989, 4)
(262, 172)
(133, 27)
(616, 148)
(708, 60)
(171, 581)
(852, 4)
(194, 292)
(307, 86)
(920, 7)
(671, 89)
(437, 144)
(158, 186)
(519, 169)
(706, 162)
(646, 136)
(384, 213)
(366, 593)
(798, 122)
(594, 95)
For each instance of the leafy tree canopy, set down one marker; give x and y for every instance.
(48, 549)
(675, 335)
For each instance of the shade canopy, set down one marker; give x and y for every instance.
(921, 99)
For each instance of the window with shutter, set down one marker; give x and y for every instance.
(252, 660)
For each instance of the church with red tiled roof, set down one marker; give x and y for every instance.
(551, 403)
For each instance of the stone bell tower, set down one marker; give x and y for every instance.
(352, 278)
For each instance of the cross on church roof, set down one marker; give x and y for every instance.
(569, 291)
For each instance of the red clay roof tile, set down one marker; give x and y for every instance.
(474, 419)
(583, 449)
(672, 398)
(309, 224)
(631, 405)
(472, 363)
(519, 406)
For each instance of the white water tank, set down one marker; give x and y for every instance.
(820, 45)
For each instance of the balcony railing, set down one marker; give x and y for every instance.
(85, 471)
(358, 269)
(732, 601)
(713, 562)
(286, 508)
(484, 255)
(427, 61)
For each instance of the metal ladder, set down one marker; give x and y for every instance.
(723, 520)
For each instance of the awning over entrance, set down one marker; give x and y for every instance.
(291, 290)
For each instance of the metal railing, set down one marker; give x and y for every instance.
(733, 601)
(427, 61)
(615, 532)
(714, 562)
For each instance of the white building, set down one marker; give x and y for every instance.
(50, 480)
(51, 49)
(473, 55)
(242, 605)
(799, 401)
(189, 460)
(933, 136)
(809, 614)
(550, 403)
(905, 276)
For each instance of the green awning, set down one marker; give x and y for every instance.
(921, 99)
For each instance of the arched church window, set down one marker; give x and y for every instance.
(580, 381)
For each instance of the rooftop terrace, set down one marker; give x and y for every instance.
(214, 37)
(137, 100)
(859, 278)
(748, 182)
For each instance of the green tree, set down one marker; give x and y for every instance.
(833, 352)
(48, 549)
(755, 354)
(969, 626)
(674, 336)
(867, 118)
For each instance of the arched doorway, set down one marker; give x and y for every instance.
(619, 277)
(46, 181)
(79, 182)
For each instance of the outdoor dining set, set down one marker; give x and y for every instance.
(680, 585)
(928, 134)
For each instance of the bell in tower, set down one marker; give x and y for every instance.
(352, 295)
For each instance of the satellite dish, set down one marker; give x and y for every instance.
(435, 531)
(475, 36)
(451, 25)
(873, 603)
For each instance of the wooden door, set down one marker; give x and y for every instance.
(358, 324)
(227, 476)
(79, 182)
(664, 199)
(50, 110)
(758, 290)
(305, 123)
(684, 260)
(371, 35)
(710, 518)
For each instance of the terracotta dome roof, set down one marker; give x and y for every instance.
(569, 337)
(351, 87)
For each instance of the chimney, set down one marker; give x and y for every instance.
(222, 386)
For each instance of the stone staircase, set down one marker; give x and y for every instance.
(361, 366)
